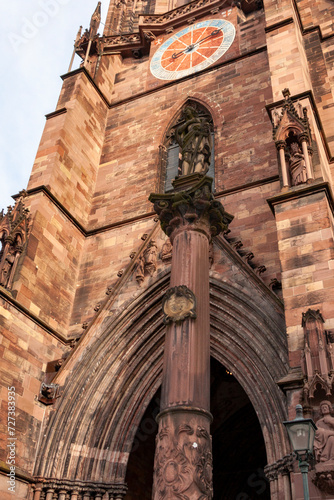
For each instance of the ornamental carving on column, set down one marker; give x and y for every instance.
(292, 136)
(188, 207)
(183, 462)
(14, 231)
(178, 304)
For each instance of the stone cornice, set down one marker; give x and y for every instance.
(7, 296)
(19, 473)
(300, 192)
(86, 232)
(158, 23)
(85, 72)
(58, 112)
(291, 20)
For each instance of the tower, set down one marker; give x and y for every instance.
(174, 94)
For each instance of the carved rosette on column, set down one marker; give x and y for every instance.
(183, 458)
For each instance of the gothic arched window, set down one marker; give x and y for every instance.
(172, 149)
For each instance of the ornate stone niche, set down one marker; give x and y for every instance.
(292, 136)
(317, 357)
(318, 371)
(189, 145)
(14, 231)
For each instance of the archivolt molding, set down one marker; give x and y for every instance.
(90, 433)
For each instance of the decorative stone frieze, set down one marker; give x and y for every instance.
(61, 489)
(282, 467)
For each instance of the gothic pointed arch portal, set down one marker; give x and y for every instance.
(239, 455)
(90, 434)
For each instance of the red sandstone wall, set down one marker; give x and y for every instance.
(101, 164)
(25, 350)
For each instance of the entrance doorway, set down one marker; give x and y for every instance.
(239, 455)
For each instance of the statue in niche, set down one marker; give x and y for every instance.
(7, 267)
(297, 163)
(324, 436)
(194, 138)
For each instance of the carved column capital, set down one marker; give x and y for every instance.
(280, 145)
(9, 239)
(190, 208)
(271, 471)
(285, 465)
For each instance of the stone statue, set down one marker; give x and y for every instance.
(297, 163)
(194, 138)
(324, 436)
(151, 258)
(140, 272)
(166, 251)
(6, 268)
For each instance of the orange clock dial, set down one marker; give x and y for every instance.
(192, 49)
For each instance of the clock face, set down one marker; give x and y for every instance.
(192, 49)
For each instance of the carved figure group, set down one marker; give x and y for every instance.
(324, 436)
(194, 138)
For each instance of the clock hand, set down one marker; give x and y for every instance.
(193, 45)
(213, 33)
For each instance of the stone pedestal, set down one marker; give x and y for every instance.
(183, 459)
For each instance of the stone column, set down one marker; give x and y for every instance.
(49, 494)
(38, 490)
(183, 458)
(280, 145)
(304, 140)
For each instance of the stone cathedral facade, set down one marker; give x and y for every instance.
(180, 209)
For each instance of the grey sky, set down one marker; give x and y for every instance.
(37, 42)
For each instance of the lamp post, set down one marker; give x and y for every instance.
(301, 433)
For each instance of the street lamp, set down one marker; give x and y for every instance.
(301, 433)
